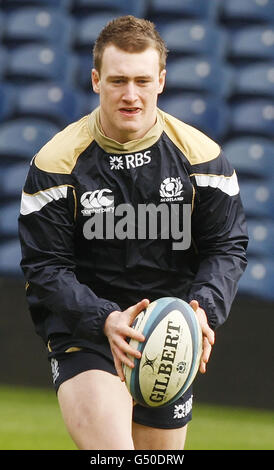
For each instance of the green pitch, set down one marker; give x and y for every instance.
(30, 419)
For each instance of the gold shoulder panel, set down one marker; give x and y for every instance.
(60, 154)
(196, 146)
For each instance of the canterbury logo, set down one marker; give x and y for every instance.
(97, 199)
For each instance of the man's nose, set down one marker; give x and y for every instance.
(130, 92)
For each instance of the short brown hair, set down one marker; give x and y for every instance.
(131, 35)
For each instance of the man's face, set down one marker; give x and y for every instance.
(128, 84)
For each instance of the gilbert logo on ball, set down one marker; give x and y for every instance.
(171, 353)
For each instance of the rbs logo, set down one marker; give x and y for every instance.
(130, 161)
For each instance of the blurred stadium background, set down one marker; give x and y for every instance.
(221, 80)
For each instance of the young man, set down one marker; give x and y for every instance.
(85, 286)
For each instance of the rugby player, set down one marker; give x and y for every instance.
(84, 289)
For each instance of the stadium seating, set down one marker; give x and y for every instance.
(9, 213)
(207, 114)
(252, 11)
(258, 198)
(85, 64)
(41, 62)
(3, 62)
(255, 80)
(220, 79)
(7, 101)
(12, 179)
(200, 74)
(194, 38)
(254, 116)
(11, 5)
(161, 10)
(61, 105)
(88, 28)
(10, 257)
(21, 138)
(121, 7)
(252, 157)
(261, 237)
(257, 281)
(2, 22)
(252, 43)
(43, 25)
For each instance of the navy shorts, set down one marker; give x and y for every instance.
(66, 365)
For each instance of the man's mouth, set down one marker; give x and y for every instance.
(130, 111)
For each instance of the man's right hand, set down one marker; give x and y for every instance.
(117, 329)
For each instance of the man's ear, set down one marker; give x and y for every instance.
(95, 79)
(162, 80)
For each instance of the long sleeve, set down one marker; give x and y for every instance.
(220, 235)
(46, 230)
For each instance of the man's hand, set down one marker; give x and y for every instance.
(117, 329)
(208, 334)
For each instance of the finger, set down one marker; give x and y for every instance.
(207, 331)
(194, 304)
(202, 367)
(129, 332)
(134, 310)
(205, 355)
(125, 352)
(117, 363)
(210, 335)
(119, 369)
(126, 348)
(126, 360)
(206, 350)
(119, 359)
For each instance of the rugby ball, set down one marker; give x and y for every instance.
(171, 352)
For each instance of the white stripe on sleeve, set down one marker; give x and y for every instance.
(35, 202)
(227, 184)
